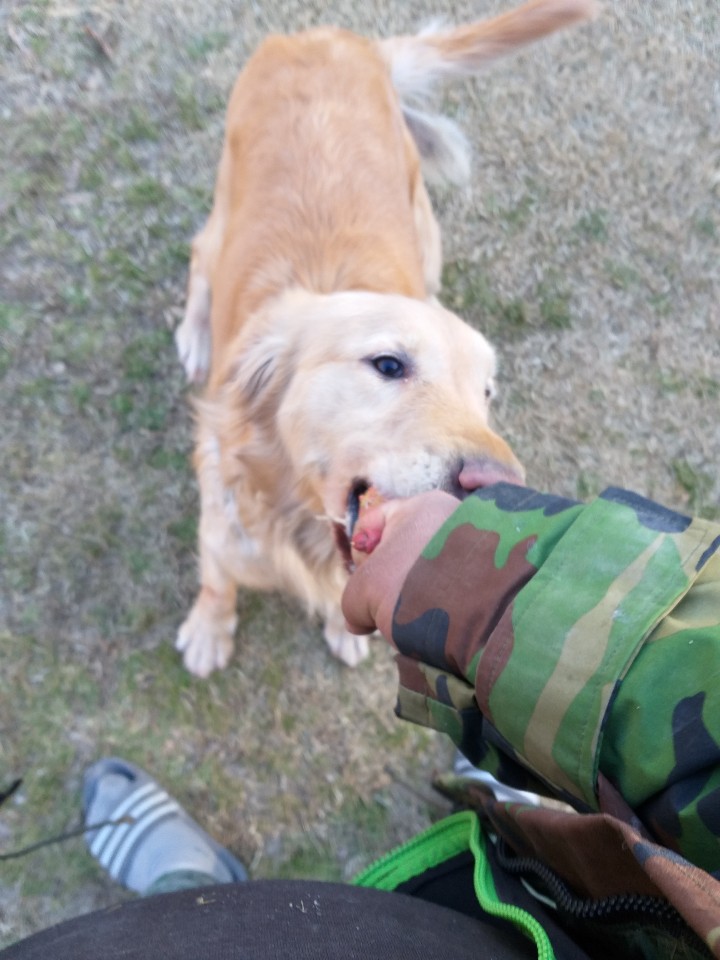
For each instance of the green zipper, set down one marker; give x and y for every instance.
(446, 839)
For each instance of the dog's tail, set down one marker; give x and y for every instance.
(418, 63)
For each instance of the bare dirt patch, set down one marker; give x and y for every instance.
(587, 246)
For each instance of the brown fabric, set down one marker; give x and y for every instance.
(490, 589)
(600, 856)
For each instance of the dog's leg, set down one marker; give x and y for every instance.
(227, 559)
(193, 337)
(346, 646)
(206, 638)
(428, 232)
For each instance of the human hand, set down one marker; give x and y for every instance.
(394, 535)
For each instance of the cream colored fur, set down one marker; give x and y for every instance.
(320, 257)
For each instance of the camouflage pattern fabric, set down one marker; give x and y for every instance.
(575, 649)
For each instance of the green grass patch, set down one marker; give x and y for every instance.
(593, 225)
(77, 340)
(466, 290)
(670, 382)
(512, 313)
(309, 859)
(11, 320)
(554, 304)
(622, 276)
(81, 394)
(706, 227)
(185, 531)
(92, 176)
(141, 399)
(146, 192)
(588, 486)
(166, 460)
(75, 298)
(38, 145)
(706, 388)
(196, 104)
(189, 106)
(126, 268)
(206, 43)
(697, 486)
(145, 356)
(661, 304)
(41, 389)
(518, 216)
(34, 11)
(701, 386)
(140, 126)
(318, 857)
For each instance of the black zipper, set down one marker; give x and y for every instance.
(616, 907)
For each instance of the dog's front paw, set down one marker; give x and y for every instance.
(347, 647)
(192, 337)
(206, 642)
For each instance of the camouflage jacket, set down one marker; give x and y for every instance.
(575, 650)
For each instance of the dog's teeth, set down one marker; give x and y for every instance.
(352, 514)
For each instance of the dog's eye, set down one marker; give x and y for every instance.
(389, 367)
(490, 391)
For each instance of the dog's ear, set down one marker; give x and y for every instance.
(256, 360)
(259, 379)
(261, 359)
(258, 375)
(241, 409)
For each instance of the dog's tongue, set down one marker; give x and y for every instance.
(368, 535)
(367, 539)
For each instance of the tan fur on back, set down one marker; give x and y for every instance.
(340, 218)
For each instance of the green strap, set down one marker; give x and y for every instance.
(448, 838)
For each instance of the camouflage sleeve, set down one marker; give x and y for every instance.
(579, 643)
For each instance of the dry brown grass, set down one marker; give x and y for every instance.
(587, 246)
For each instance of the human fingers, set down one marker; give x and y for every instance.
(398, 531)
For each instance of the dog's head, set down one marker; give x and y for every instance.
(350, 390)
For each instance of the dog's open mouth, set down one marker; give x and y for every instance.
(357, 490)
(361, 497)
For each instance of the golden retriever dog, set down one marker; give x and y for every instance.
(311, 315)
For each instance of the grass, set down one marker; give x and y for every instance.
(706, 227)
(697, 486)
(111, 702)
(620, 275)
(593, 225)
(468, 290)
